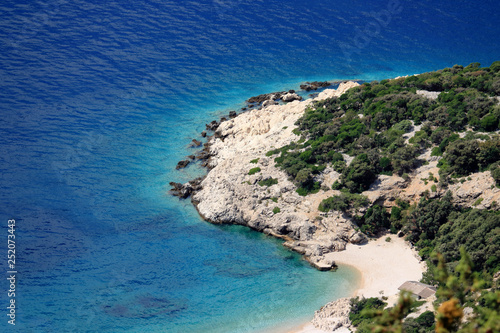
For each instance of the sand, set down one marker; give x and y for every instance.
(384, 266)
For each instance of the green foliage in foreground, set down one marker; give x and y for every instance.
(276, 210)
(360, 309)
(425, 323)
(454, 293)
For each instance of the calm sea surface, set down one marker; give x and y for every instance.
(99, 100)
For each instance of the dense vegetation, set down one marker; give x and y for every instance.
(468, 240)
(368, 122)
(345, 202)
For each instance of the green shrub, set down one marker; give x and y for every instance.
(359, 175)
(343, 202)
(274, 199)
(424, 323)
(375, 219)
(339, 166)
(436, 151)
(255, 161)
(403, 125)
(495, 173)
(360, 309)
(253, 171)
(276, 210)
(268, 182)
(434, 188)
(333, 126)
(313, 188)
(478, 231)
(273, 152)
(477, 202)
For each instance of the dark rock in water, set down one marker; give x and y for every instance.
(212, 126)
(223, 119)
(308, 86)
(258, 99)
(196, 183)
(232, 114)
(264, 97)
(182, 164)
(243, 109)
(195, 143)
(203, 134)
(314, 95)
(178, 190)
(192, 157)
(291, 91)
(183, 191)
(205, 153)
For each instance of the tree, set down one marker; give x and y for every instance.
(461, 156)
(375, 219)
(404, 159)
(358, 176)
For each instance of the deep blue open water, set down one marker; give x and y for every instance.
(99, 100)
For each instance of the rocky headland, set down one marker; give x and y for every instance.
(245, 187)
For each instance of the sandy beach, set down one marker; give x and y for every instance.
(383, 265)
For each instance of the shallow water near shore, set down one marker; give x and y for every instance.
(100, 101)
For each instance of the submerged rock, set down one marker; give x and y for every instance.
(182, 164)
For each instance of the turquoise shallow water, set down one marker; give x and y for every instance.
(100, 101)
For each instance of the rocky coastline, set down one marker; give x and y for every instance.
(244, 187)
(229, 195)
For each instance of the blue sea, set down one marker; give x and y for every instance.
(100, 100)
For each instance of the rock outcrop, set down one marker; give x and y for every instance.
(333, 315)
(244, 187)
(229, 194)
(290, 97)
